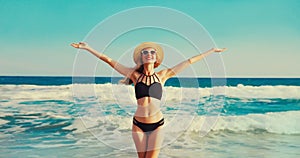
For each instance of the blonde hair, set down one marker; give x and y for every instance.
(128, 81)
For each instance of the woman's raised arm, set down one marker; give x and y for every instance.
(168, 73)
(114, 64)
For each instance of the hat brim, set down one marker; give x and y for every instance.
(137, 56)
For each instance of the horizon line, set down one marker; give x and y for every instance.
(291, 77)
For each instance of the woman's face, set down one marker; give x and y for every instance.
(148, 55)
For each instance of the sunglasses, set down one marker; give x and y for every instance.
(145, 52)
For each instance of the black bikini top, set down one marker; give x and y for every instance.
(148, 86)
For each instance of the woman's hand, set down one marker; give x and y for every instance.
(80, 45)
(218, 50)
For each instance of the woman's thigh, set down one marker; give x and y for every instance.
(139, 138)
(155, 141)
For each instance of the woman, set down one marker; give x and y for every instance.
(148, 120)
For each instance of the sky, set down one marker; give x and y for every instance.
(262, 36)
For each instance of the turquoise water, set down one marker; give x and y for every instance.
(51, 117)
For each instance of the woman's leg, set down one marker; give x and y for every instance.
(155, 141)
(140, 141)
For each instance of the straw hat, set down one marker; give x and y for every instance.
(159, 53)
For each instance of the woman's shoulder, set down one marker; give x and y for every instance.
(163, 72)
(135, 75)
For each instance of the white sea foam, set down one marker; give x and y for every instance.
(33, 92)
(125, 94)
(273, 122)
(279, 123)
(115, 131)
(3, 121)
(279, 91)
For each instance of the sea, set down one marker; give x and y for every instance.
(57, 117)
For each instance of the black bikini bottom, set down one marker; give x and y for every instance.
(148, 127)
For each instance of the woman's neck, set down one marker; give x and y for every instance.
(148, 69)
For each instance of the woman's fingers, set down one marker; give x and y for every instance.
(74, 45)
(220, 50)
(79, 45)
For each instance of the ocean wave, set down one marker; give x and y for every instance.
(278, 123)
(273, 122)
(111, 92)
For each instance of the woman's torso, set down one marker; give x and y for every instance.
(148, 89)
